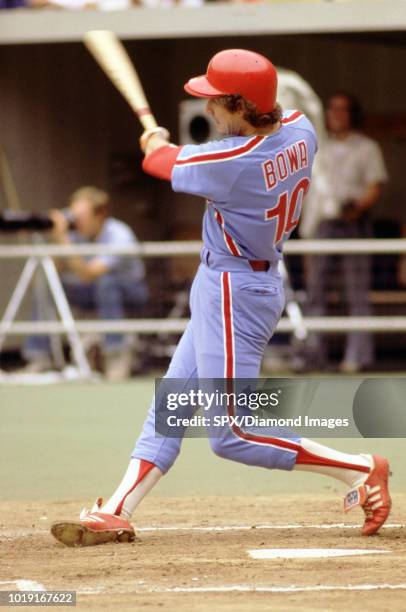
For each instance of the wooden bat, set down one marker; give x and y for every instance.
(111, 56)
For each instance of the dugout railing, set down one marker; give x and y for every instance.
(341, 324)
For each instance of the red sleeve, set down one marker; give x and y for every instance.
(160, 162)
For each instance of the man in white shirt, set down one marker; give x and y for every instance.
(356, 172)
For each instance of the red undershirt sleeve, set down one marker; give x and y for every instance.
(160, 162)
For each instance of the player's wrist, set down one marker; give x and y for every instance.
(154, 138)
(154, 144)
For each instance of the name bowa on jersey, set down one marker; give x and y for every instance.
(286, 163)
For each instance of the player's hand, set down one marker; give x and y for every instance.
(350, 212)
(154, 139)
(60, 229)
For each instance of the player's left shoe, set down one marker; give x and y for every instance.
(373, 496)
(92, 528)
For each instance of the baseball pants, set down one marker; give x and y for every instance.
(234, 312)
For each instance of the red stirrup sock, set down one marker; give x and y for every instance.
(138, 480)
(320, 459)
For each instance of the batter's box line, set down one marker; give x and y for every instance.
(31, 585)
(248, 588)
(24, 585)
(254, 527)
(24, 533)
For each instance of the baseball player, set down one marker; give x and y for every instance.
(254, 182)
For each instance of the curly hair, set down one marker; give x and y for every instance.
(235, 102)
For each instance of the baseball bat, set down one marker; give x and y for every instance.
(111, 56)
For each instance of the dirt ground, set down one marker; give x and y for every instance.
(178, 569)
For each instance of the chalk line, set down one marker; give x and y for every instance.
(25, 585)
(254, 527)
(20, 533)
(311, 553)
(249, 588)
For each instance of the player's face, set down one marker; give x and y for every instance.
(226, 123)
(87, 223)
(338, 115)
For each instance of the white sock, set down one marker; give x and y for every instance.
(130, 492)
(352, 478)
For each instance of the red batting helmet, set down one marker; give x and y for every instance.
(237, 71)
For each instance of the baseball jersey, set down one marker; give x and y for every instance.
(254, 187)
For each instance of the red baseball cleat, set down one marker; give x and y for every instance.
(93, 528)
(373, 496)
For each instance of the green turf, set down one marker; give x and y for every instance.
(73, 441)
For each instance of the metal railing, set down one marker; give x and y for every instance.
(381, 324)
(178, 248)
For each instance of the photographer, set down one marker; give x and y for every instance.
(109, 284)
(356, 171)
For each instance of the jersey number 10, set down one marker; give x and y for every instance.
(285, 210)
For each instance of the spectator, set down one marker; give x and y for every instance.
(107, 283)
(356, 171)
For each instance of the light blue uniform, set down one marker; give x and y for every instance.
(254, 187)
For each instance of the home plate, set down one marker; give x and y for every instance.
(310, 553)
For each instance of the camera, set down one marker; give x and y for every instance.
(15, 221)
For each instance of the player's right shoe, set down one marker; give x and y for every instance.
(92, 528)
(373, 496)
